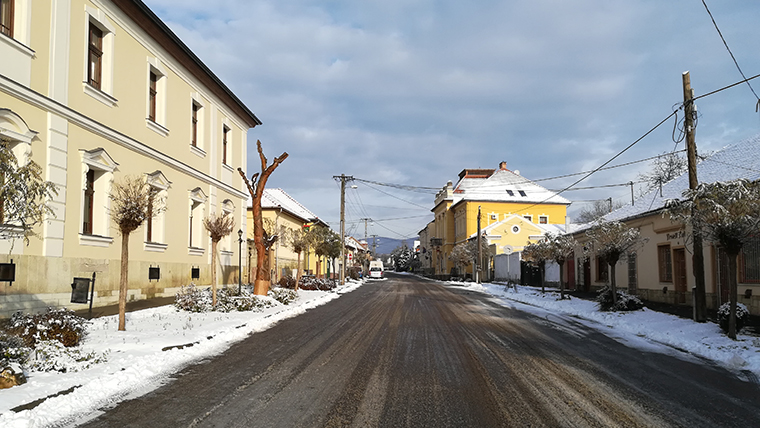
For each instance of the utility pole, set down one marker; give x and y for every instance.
(610, 200)
(698, 261)
(343, 178)
(630, 183)
(479, 261)
(365, 220)
(374, 246)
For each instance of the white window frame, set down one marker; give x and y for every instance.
(226, 131)
(104, 166)
(196, 213)
(158, 181)
(200, 140)
(228, 208)
(99, 19)
(159, 125)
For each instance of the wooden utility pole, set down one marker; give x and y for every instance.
(480, 252)
(343, 178)
(698, 261)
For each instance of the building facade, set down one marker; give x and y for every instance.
(514, 211)
(94, 91)
(662, 269)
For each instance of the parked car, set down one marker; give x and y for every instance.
(375, 272)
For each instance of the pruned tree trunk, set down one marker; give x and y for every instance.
(561, 280)
(256, 189)
(214, 245)
(613, 285)
(123, 281)
(732, 294)
(298, 270)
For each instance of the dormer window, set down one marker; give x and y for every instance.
(522, 193)
(510, 193)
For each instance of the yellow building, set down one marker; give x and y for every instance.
(94, 91)
(514, 211)
(282, 213)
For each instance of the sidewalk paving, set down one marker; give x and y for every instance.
(135, 305)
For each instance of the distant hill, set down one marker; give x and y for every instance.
(386, 245)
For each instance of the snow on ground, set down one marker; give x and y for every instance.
(705, 340)
(136, 359)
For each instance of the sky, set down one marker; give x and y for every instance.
(412, 92)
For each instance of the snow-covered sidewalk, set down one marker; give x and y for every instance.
(158, 342)
(705, 340)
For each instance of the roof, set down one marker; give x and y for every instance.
(152, 24)
(740, 160)
(278, 198)
(505, 186)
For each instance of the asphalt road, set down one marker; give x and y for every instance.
(406, 352)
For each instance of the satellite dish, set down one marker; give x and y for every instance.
(508, 249)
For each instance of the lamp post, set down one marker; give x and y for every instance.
(240, 262)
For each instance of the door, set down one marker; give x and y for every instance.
(570, 267)
(679, 274)
(587, 275)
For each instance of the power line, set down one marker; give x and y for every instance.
(757, 105)
(394, 196)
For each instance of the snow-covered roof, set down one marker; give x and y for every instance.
(504, 186)
(740, 160)
(278, 198)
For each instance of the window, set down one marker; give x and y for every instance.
(542, 219)
(522, 193)
(515, 229)
(196, 231)
(749, 262)
(98, 56)
(225, 133)
(194, 124)
(510, 193)
(95, 57)
(529, 218)
(602, 270)
(89, 202)
(494, 217)
(16, 134)
(155, 110)
(97, 177)
(155, 221)
(6, 17)
(152, 96)
(665, 265)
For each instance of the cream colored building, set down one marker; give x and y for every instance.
(94, 91)
(662, 269)
(282, 213)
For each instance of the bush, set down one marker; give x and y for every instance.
(353, 273)
(51, 355)
(311, 283)
(283, 295)
(56, 324)
(12, 350)
(195, 299)
(287, 282)
(724, 312)
(625, 302)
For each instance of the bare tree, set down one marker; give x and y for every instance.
(727, 213)
(663, 169)
(218, 227)
(298, 242)
(465, 253)
(23, 196)
(537, 254)
(561, 248)
(597, 210)
(262, 242)
(609, 240)
(134, 201)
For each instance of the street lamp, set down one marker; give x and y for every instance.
(240, 262)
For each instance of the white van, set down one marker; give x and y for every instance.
(376, 269)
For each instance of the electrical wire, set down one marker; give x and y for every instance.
(757, 105)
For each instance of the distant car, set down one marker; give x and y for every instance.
(375, 272)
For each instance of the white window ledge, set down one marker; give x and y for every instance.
(95, 240)
(99, 95)
(157, 128)
(156, 247)
(227, 167)
(226, 253)
(15, 44)
(198, 151)
(195, 251)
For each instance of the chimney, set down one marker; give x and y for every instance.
(503, 165)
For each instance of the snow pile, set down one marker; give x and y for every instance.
(158, 342)
(702, 339)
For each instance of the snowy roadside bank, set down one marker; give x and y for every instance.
(158, 342)
(705, 340)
